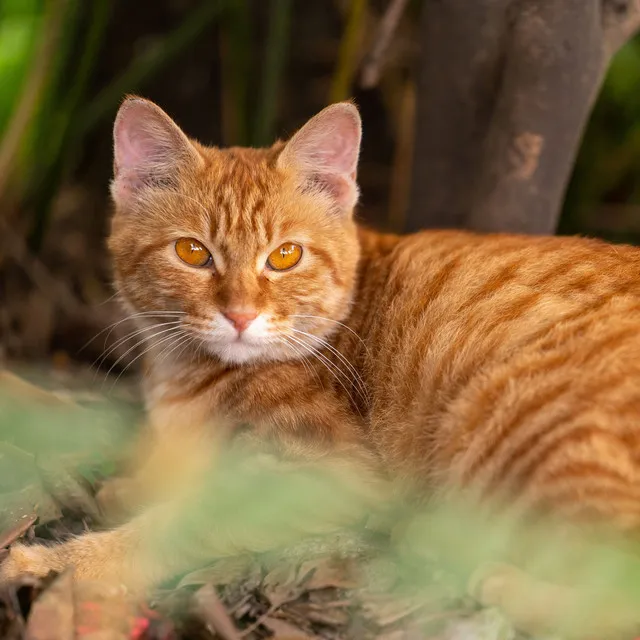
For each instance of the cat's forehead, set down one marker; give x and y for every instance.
(242, 188)
(241, 175)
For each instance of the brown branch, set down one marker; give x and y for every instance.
(373, 62)
(553, 69)
(401, 170)
(462, 47)
(505, 92)
(34, 85)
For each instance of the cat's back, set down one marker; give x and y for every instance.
(436, 289)
(475, 331)
(476, 266)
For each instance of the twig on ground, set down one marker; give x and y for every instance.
(212, 611)
(267, 614)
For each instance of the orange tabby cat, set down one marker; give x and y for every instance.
(442, 359)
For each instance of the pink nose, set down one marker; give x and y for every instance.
(240, 319)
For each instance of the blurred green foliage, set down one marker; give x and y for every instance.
(20, 22)
(607, 170)
(66, 113)
(603, 198)
(244, 505)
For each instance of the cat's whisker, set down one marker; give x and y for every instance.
(200, 348)
(299, 354)
(109, 299)
(167, 351)
(113, 325)
(330, 366)
(180, 334)
(136, 345)
(99, 361)
(342, 324)
(360, 385)
(185, 347)
(305, 361)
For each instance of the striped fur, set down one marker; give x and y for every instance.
(507, 364)
(504, 364)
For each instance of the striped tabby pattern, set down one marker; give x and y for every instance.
(442, 360)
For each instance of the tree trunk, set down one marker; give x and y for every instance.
(505, 91)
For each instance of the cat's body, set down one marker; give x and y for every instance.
(504, 364)
(513, 367)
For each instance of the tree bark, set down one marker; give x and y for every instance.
(505, 90)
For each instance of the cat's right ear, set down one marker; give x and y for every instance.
(148, 149)
(324, 153)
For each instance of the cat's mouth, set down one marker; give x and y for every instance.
(256, 342)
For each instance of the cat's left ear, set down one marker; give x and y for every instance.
(325, 154)
(149, 149)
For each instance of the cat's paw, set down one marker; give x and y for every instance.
(540, 608)
(95, 557)
(492, 581)
(34, 560)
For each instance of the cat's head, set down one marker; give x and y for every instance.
(249, 254)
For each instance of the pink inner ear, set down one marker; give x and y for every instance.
(131, 148)
(142, 139)
(329, 143)
(339, 149)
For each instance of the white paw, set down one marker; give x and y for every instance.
(35, 560)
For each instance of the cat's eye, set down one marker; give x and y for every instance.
(285, 257)
(194, 253)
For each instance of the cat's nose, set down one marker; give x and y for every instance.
(240, 319)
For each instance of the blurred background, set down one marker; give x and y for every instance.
(234, 72)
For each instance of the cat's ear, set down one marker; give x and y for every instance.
(148, 149)
(325, 153)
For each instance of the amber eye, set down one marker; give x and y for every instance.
(285, 256)
(192, 252)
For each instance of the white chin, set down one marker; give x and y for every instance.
(241, 352)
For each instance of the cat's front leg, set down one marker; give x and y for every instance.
(178, 441)
(101, 557)
(136, 555)
(225, 518)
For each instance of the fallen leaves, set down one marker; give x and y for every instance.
(47, 442)
(284, 631)
(17, 530)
